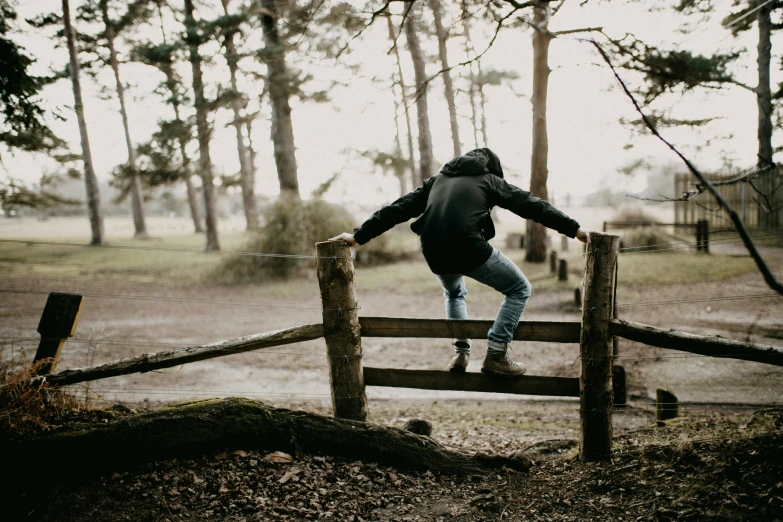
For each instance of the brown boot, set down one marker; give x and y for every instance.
(459, 364)
(502, 365)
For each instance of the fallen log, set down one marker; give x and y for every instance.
(194, 428)
(169, 359)
(710, 346)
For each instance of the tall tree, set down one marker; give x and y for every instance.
(667, 70)
(194, 39)
(535, 240)
(246, 171)
(278, 82)
(90, 180)
(400, 81)
(23, 125)
(426, 160)
(111, 28)
(162, 57)
(448, 87)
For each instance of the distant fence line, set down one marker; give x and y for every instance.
(756, 211)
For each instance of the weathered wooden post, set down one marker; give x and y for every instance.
(341, 330)
(562, 270)
(666, 405)
(58, 322)
(595, 349)
(553, 261)
(705, 236)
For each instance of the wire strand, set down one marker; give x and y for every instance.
(698, 300)
(175, 299)
(176, 250)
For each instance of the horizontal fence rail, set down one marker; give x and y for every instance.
(545, 331)
(703, 345)
(168, 359)
(475, 382)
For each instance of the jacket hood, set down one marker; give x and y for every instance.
(474, 163)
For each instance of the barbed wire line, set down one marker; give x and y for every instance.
(686, 245)
(174, 250)
(694, 243)
(176, 299)
(697, 300)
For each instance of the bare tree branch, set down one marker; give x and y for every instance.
(769, 277)
(375, 14)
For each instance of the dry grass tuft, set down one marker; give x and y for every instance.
(28, 406)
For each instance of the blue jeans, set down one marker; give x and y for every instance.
(502, 274)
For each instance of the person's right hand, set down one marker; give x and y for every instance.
(345, 236)
(583, 235)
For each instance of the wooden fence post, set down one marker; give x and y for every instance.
(595, 349)
(666, 405)
(58, 322)
(562, 270)
(553, 261)
(342, 330)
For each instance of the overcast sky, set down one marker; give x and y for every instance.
(587, 144)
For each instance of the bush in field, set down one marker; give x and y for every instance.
(633, 215)
(289, 227)
(644, 237)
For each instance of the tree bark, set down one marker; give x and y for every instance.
(404, 89)
(535, 239)
(90, 181)
(399, 173)
(194, 428)
(470, 51)
(246, 173)
(204, 132)
(764, 93)
(446, 74)
(425, 137)
(137, 199)
(279, 94)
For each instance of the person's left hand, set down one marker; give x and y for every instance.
(345, 236)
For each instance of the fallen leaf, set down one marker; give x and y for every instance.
(241, 453)
(279, 456)
(285, 478)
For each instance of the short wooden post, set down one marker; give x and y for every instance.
(564, 243)
(595, 349)
(698, 236)
(578, 296)
(705, 236)
(562, 270)
(619, 386)
(58, 322)
(553, 261)
(342, 330)
(666, 405)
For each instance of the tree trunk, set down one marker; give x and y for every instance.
(203, 130)
(404, 90)
(764, 93)
(91, 182)
(425, 137)
(246, 173)
(194, 428)
(137, 200)
(470, 51)
(482, 104)
(279, 94)
(535, 239)
(399, 173)
(447, 85)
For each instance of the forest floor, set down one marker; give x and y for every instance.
(714, 463)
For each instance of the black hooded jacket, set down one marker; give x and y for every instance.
(454, 206)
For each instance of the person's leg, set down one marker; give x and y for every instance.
(503, 275)
(454, 293)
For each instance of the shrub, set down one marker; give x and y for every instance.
(290, 227)
(644, 237)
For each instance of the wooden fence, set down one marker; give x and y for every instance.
(343, 331)
(752, 208)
